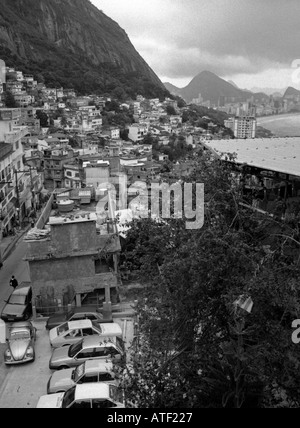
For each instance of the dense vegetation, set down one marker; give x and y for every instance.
(195, 114)
(73, 73)
(197, 347)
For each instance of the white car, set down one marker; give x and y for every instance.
(88, 372)
(71, 332)
(85, 396)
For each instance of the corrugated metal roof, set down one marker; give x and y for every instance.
(274, 154)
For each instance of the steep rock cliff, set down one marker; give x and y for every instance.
(71, 40)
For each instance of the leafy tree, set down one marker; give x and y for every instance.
(171, 111)
(180, 102)
(64, 121)
(40, 78)
(124, 133)
(43, 117)
(112, 106)
(150, 139)
(197, 347)
(9, 100)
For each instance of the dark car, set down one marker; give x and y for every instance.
(19, 305)
(76, 314)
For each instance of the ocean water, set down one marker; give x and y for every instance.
(286, 125)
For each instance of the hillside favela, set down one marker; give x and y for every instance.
(149, 207)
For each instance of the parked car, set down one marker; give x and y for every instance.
(85, 396)
(88, 372)
(20, 344)
(71, 332)
(18, 307)
(89, 348)
(75, 314)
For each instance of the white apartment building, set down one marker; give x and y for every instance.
(72, 179)
(112, 132)
(19, 76)
(137, 132)
(242, 127)
(96, 173)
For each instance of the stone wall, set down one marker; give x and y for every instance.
(59, 280)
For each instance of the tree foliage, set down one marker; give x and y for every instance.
(196, 346)
(44, 119)
(9, 100)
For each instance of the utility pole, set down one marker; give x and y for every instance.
(18, 198)
(17, 188)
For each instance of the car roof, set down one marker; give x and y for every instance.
(21, 291)
(110, 328)
(92, 390)
(98, 365)
(24, 324)
(90, 341)
(21, 329)
(75, 325)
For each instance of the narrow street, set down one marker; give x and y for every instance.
(14, 265)
(21, 386)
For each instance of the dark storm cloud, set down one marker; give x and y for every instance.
(180, 38)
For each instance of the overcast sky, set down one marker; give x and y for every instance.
(252, 42)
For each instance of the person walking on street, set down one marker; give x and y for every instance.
(13, 282)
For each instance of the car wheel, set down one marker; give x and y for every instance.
(26, 317)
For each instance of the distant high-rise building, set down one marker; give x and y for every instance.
(242, 126)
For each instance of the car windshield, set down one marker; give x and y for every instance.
(17, 300)
(74, 349)
(97, 327)
(22, 334)
(69, 398)
(78, 372)
(116, 394)
(62, 329)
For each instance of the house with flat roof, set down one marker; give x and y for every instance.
(73, 255)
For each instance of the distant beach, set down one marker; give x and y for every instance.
(284, 125)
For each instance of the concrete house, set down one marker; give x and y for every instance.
(75, 259)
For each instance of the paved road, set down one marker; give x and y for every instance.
(14, 265)
(24, 384)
